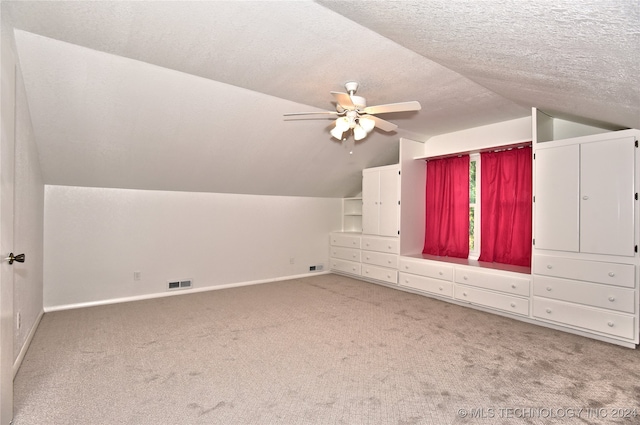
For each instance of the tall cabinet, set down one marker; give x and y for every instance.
(585, 260)
(380, 200)
(372, 254)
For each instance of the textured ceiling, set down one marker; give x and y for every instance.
(190, 95)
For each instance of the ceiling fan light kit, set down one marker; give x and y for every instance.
(354, 114)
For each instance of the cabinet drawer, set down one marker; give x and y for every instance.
(589, 318)
(380, 273)
(434, 269)
(380, 259)
(492, 299)
(494, 280)
(591, 271)
(345, 253)
(372, 243)
(345, 240)
(593, 294)
(427, 284)
(345, 266)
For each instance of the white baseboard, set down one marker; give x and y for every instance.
(27, 343)
(174, 293)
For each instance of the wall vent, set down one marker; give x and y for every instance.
(316, 268)
(180, 284)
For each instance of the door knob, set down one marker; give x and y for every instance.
(19, 258)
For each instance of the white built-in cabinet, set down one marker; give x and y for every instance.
(381, 200)
(584, 196)
(373, 253)
(585, 274)
(585, 264)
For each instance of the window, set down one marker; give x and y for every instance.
(474, 206)
(490, 193)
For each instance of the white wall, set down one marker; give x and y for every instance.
(477, 138)
(96, 238)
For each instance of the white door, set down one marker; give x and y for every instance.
(7, 142)
(370, 202)
(557, 190)
(607, 197)
(389, 209)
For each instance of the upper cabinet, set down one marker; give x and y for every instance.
(381, 200)
(585, 195)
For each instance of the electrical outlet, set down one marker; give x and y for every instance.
(136, 275)
(292, 260)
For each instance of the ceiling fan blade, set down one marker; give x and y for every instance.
(343, 99)
(290, 114)
(393, 107)
(382, 124)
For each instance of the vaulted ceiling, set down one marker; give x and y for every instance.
(190, 96)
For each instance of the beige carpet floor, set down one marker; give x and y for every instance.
(320, 350)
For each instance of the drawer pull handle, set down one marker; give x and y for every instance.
(548, 288)
(585, 197)
(513, 286)
(406, 267)
(611, 274)
(440, 273)
(549, 310)
(513, 305)
(367, 257)
(406, 281)
(549, 266)
(610, 324)
(389, 247)
(464, 294)
(465, 277)
(440, 288)
(612, 299)
(388, 261)
(388, 276)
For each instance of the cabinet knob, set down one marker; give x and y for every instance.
(354, 256)
(548, 288)
(513, 286)
(388, 261)
(611, 274)
(406, 281)
(513, 305)
(465, 277)
(440, 273)
(585, 197)
(549, 266)
(549, 310)
(406, 267)
(440, 288)
(367, 257)
(388, 276)
(610, 324)
(612, 299)
(464, 294)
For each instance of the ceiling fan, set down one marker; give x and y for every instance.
(354, 114)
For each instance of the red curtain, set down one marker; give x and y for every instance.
(447, 207)
(505, 199)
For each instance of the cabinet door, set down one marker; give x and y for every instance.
(607, 197)
(389, 209)
(370, 201)
(556, 208)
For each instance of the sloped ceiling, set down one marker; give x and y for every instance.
(191, 95)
